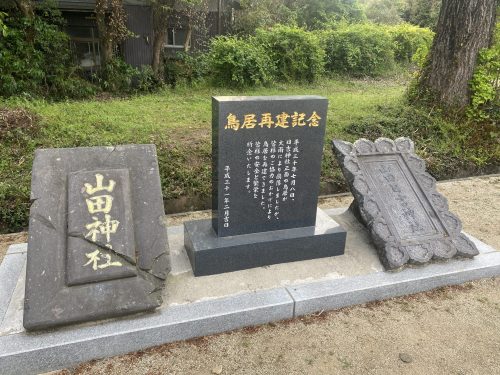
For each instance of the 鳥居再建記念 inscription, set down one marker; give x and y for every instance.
(396, 199)
(266, 162)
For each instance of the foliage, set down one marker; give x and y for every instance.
(35, 59)
(407, 39)
(359, 50)
(296, 53)
(485, 84)
(119, 77)
(116, 76)
(111, 21)
(255, 14)
(384, 11)
(145, 80)
(240, 62)
(186, 68)
(317, 14)
(449, 148)
(423, 13)
(3, 27)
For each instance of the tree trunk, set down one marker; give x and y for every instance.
(464, 27)
(187, 42)
(26, 7)
(106, 50)
(158, 43)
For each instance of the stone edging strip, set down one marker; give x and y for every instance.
(49, 350)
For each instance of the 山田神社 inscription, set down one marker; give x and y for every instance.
(396, 199)
(100, 226)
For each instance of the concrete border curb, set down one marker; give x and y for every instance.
(31, 353)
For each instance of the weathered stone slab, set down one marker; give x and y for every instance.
(397, 200)
(97, 244)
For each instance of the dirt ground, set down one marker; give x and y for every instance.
(452, 330)
(9, 239)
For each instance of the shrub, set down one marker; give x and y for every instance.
(359, 50)
(240, 62)
(116, 76)
(485, 84)
(145, 80)
(119, 77)
(407, 39)
(35, 58)
(186, 68)
(296, 53)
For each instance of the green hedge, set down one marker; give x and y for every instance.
(291, 54)
(240, 62)
(359, 50)
(407, 39)
(296, 53)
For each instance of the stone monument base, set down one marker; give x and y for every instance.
(211, 255)
(200, 306)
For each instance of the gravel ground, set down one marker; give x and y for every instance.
(452, 330)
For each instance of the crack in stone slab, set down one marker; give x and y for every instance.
(44, 221)
(129, 260)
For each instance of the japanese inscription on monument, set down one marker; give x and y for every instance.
(100, 226)
(267, 157)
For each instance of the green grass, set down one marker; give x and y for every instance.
(178, 122)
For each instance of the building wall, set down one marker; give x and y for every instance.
(138, 50)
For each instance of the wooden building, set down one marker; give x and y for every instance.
(137, 50)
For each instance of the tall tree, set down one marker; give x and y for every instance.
(423, 13)
(195, 15)
(464, 27)
(111, 24)
(162, 10)
(254, 14)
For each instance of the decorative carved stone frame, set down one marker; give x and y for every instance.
(371, 208)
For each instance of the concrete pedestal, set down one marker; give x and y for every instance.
(210, 255)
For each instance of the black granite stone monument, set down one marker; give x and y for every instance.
(97, 244)
(266, 164)
(396, 199)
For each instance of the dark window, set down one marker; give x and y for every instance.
(84, 39)
(175, 38)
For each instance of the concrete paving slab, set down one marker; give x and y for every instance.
(10, 269)
(26, 353)
(335, 294)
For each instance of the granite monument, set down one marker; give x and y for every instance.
(266, 164)
(97, 245)
(396, 199)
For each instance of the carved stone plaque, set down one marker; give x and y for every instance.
(97, 244)
(396, 199)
